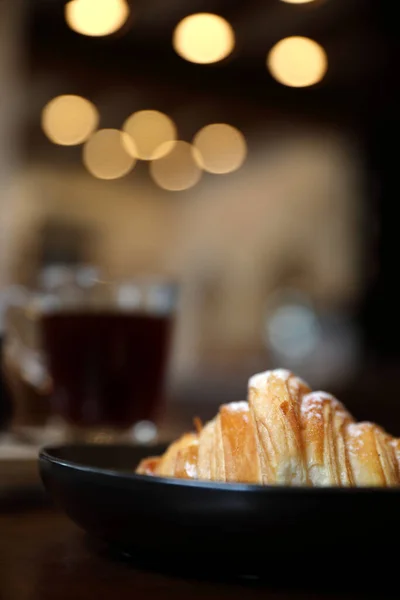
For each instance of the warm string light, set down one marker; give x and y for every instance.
(96, 17)
(297, 62)
(206, 38)
(150, 129)
(151, 135)
(221, 148)
(69, 120)
(217, 148)
(203, 38)
(105, 155)
(147, 135)
(178, 168)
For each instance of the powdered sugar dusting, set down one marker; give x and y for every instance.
(283, 374)
(260, 380)
(359, 429)
(356, 432)
(312, 404)
(396, 445)
(312, 409)
(241, 406)
(191, 470)
(324, 395)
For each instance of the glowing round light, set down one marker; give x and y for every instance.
(293, 331)
(222, 148)
(144, 432)
(203, 38)
(105, 155)
(96, 17)
(150, 129)
(69, 120)
(297, 62)
(178, 168)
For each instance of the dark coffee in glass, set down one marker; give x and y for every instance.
(107, 368)
(106, 349)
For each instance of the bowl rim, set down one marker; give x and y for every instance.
(48, 454)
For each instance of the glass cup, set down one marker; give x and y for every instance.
(106, 347)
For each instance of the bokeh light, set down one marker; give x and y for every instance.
(178, 168)
(293, 331)
(69, 120)
(203, 38)
(150, 129)
(144, 432)
(105, 155)
(222, 148)
(297, 62)
(96, 17)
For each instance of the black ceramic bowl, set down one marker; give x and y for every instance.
(279, 533)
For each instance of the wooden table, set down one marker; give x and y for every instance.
(44, 556)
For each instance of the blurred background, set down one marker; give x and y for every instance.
(275, 210)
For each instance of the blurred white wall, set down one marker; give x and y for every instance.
(11, 95)
(290, 216)
(135, 223)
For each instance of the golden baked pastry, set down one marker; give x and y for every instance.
(284, 434)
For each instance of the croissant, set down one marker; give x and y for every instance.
(285, 434)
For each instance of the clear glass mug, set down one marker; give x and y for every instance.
(106, 348)
(15, 358)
